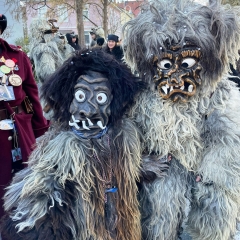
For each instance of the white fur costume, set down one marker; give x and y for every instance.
(48, 51)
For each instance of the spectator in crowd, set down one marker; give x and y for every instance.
(113, 48)
(95, 34)
(21, 115)
(72, 39)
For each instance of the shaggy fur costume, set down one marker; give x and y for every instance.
(99, 33)
(202, 134)
(47, 51)
(61, 195)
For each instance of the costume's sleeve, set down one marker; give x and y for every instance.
(41, 201)
(128, 150)
(216, 195)
(39, 123)
(50, 226)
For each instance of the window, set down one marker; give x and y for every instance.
(62, 13)
(87, 38)
(85, 13)
(42, 12)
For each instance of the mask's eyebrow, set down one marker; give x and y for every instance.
(101, 88)
(167, 55)
(91, 79)
(81, 85)
(191, 53)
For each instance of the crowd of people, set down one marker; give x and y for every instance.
(115, 149)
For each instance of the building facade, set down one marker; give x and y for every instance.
(118, 14)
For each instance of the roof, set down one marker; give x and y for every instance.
(131, 6)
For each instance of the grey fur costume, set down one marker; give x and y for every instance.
(60, 195)
(202, 134)
(47, 51)
(99, 33)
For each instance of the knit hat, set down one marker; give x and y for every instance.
(113, 37)
(3, 22)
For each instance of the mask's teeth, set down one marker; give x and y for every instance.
(171, 89)
(84, 125)
(89, 122)
(164, 89)
(182, 87)
(74, 124)
(74, 120)
(99, 123)
(190, 88)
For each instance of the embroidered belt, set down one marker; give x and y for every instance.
(5, 115)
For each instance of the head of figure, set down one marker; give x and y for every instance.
(42, 29)
(112, 41)
(3, 23)
(90, 92)
(184, 55)
(93, 35)
(177, 72)
(90, 107)
(74, 39)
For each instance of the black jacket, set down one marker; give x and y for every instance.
(75, 45)
(117, 52)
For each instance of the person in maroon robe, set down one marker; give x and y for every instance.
(25, 110)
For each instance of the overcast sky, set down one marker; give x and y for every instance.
(17, 29)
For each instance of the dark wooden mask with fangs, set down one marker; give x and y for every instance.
(177, 72)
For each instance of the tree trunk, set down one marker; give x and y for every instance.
(24, 20)
(105, 17)
(79, 6)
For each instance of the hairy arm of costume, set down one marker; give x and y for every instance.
(153, 167)
(41, 200)
(39, 123)
(128, 152)
(217, 196)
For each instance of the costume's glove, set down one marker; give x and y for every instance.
(154, 166)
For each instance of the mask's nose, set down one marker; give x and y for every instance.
(89, 111)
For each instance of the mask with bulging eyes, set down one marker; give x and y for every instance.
(90, 107)
(177, 72)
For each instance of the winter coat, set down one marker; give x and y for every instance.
(29, 126)
(75, 45)
(117, 52)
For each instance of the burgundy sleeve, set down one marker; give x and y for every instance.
(39, 123)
